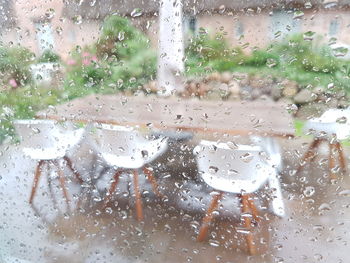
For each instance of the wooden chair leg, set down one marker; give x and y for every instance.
(208, 217)
(308, 154)
(248, 224)
(62, 181)
(49, 184)
(112, 188)
(152, 180)
(253, 209)
(138, 202)
(331, 160)
(75, 172)
(342, 161)
(37, 176)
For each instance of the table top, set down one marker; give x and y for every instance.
(265, 118)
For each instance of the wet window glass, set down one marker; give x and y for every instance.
(174, 131)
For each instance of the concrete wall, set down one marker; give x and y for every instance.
(247, 30)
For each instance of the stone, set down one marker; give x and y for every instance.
(305, 96)
(318, 90)
(241, 78)
(266, 98)
(311, 110)
(276, 93)
(215, 76)
(246, 93)
(343, 103)
(226, 77)
(224, 91)
(213, 95)
(234, 88)
(256, 93)
(151, 87)
(290, 88)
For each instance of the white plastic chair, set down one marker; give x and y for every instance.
(332, 126)
(48, 142)
(242, 170)
(272, 148)
(127, 149)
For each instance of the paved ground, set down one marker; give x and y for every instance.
(314, 230)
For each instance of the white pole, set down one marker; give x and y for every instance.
(171, 47)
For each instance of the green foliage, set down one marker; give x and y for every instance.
(49, 56)
(260, 58)
(121, 59)
(205, 54)
(120, 39)
(14, 65)
(304, 61)
(23, 103)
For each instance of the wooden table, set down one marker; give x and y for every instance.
(232, 117)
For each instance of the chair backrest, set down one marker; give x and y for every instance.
(272, 149)
(332, 122)
(42, 134)
(127, 141)
(232, 168)
(116, 139)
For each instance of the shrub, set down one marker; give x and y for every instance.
(121, 59)
(14, 66)
(48, 56)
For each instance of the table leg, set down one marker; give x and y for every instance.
(139, 213)
(208, 217)
(248, 224)
(37, 176)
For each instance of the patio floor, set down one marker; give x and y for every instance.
(314, 230)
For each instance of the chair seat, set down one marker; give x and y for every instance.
(126, 162)
(44, 154)
(229, 183)
(332, 122)
(318, 128)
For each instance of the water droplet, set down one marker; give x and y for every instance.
(309, 35)
(214, 243)
(342, 120)
(309, 191)
(136, 12)
(298, 14)
(308, 5)
(59, 30)
(232, 145)
(121, 35)
(330, 3)
(36, 130)
(213, 169)
(340, 51)
(144, 154)
(247, 157)
(50, 13)
(77, 19)
(232, 172)
(324, 207)
(271, 62)
(345, 193)
(109, 210)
